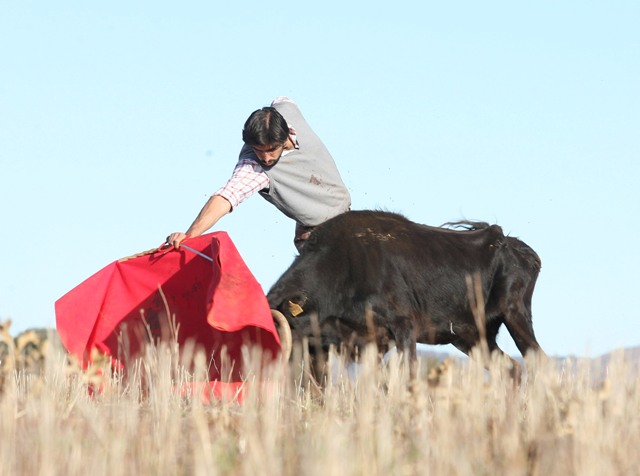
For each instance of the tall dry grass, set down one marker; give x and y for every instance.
(571, 419)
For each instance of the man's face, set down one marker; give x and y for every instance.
(268, 154)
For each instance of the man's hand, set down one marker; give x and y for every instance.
(176, 238)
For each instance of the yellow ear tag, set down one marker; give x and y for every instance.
(295, 309)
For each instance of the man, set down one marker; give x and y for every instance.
(284, 161)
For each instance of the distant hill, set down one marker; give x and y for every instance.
(598, 367)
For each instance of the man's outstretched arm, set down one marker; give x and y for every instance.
(215, 208)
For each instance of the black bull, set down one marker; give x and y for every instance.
(371, 276)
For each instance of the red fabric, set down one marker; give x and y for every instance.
(215, 304)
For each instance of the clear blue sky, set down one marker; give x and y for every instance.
(119, 119)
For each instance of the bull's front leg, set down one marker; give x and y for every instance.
(404, 332)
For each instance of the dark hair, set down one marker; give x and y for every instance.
(265, 126)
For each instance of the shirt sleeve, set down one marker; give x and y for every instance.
(247, 178)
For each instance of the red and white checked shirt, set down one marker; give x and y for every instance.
(248, 178)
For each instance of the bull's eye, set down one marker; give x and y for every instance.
(295, 309)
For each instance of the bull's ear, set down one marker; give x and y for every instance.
(296, 304)
(294, 308)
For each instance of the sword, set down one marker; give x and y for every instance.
(196, 252)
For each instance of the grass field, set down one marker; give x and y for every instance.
(459, 419)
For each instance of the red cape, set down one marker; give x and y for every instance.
(216, 304)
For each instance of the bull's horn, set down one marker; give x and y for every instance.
(284, 331)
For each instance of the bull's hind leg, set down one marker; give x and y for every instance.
(520, 327)
(493, 326)
(473, 340)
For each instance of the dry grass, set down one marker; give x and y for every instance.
(461, 421)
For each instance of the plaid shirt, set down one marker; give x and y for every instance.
(248, 178)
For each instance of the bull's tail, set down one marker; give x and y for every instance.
(467, 225)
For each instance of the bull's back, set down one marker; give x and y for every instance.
(375, 238)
